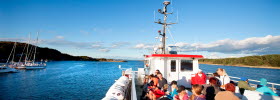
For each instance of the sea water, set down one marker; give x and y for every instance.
(90, 80)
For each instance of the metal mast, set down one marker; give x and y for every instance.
(26, 55)
(35, 47)
(164, 25)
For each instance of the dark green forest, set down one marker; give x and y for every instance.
(42, 53)
(263, 60)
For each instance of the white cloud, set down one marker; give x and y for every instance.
(59, 37)
(96, 46)
(256, 45)
(144, 46)
(13, 39)
(104, 50)
(119, 44)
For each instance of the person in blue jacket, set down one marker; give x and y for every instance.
(174, 89)
(264, 89)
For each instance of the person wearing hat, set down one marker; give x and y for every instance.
(182, 94)
(264, 89)
(243, 85)
(199, 78)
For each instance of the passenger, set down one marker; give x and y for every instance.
(216, 75)
(210, 90)
(174, 89)
(154, 79)
(197, 93)
(165, 88)
(157, 72)
(243, 85)
(161, 80)
(228, 94)
(145, 87)
(224, 78)
(264, 89)
(182, 94)
(156, 93)
(199, 78)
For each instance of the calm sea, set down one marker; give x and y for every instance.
(90, 80)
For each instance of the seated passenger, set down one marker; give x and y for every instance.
(199, 78)
(210, 90)
(165, 88)
(157, 72)
(217, 76)
(156, 93)
(264, 89)
(154, 79)
(182, 94)
(145, 87)
(174, 89)
(161, 80)
(197, 93)
(228, 94)
(243, 85)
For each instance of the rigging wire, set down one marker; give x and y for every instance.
(22, 53)
(170, 34)
(11, 52)
(172, 38)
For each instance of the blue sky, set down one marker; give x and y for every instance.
(125, 28)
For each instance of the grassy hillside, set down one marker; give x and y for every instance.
(264, 60)
(42, 53)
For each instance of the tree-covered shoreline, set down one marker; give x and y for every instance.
(272, 60)
(43, 53)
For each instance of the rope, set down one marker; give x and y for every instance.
(11, 53)
(22, 53)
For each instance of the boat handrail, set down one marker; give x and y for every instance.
(133, 88)
(256, 81)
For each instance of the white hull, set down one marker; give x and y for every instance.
(20, 67)
(35, 67)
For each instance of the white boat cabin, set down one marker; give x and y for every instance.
(178, 67)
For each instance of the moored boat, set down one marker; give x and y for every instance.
(6, 69)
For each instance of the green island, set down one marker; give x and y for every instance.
(44, 54)
(257, 61)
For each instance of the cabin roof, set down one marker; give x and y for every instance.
(174, 55)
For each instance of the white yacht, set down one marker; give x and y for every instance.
(35, 65)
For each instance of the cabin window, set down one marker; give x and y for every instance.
(186, 65)
(173, 65)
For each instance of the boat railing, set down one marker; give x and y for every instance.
(133, 88)
(273, 85)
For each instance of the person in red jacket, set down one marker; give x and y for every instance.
(199, 78)
(155, 93)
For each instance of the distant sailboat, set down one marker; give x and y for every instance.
(29, 63)
(32, 64)
(6, 68)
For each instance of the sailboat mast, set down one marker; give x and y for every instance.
(26, 55)
(36, 47)
(14, 51)
(164, 25)
(11, 52)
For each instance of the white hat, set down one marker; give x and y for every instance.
(199, 70)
